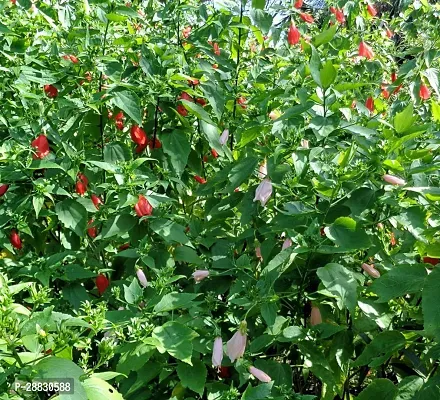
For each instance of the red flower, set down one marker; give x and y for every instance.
(182, 110)
(138, 135)
(365, 50)
(83, 178)
(430, 260)
(15, 240)
(88, 76)
(201, 101)
(424, 92)
(216, 49)
(397, 88)
(42, 147)
(393, 77)
(205, 159)
(389, 33)
(193, 81)
(157, 144)
(224, 371)
(322, 231)
(110, 115)
(119, 116)
(143, 207)
(3, 189)
(293, 35)
(242, 101)
(185, 96)
(102, 283)
(214, 153)
(65, 57)
(393, 241)
(340, 17)
(371, 10)
(298, 4)
(370, 104)
(51, 91)
(200, 179)
(80, 188)
(385, 92)
(74, 59)
(125, 246)
(307, 18)
(119, 124)
(91, 230)
(332, 9)
(14, 2)
(215, 66)
(96, 200)
(140, 148)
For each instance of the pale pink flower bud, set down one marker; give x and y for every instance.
(258, 252)
(262, 172)
(263, 192)
(217, 352)
(224, 137)
(393, 180)
(121, 308)
(287, 243)
(275, 114)
(200, 274)
(370, 270)
(237, 343)
(142, 278)
(315, 318)
(259, 374)
(305, 143)
(380, 226)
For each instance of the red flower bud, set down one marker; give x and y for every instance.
(216, 49)
(119, 116)
(424, 92)
(119, 125)
(200, 179)
(83, 178)
(201, 101)
(15, 240)
(293, 35)
(51, 91)
(91, 230)
(298, 4)
(242, 101)
(157, 144)
(3, 189)
(393, 76)
(214, 153)
(365, 51)
(143, 207)
(370, 104)
(74, 59)
(42, 147)
(125, 246)
(96, 200)
(138, 135)
(430, 260)
(371, 10)
(193, 81)
(307, 18)
(182, 110)
(80, 188)
(102, 283)
(185, 96)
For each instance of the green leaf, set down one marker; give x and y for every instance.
(241, 172)
(188, 255)
(430, 302)
(433, 77)
(215, 98)
(382, 389)
(176, 339)
(173, 301)
(128, 102)
(37, 202)
(176, 145)
(59, 368)
(324, 37)
(170, 231)
(259, 392)
(44, 164)
(116, 152)
(435, 110)
(405, 119)
(193, 377)
(40, 76)
(98, 389)
(382, 347)
(327, 74)
(323, 126)
(345, 233)
(261, 19)
(408, 387)
(73, 215)
(269, 312)
(134, 356)
(340, 281)
(133, 293)
(399, 281)
(260, 4)
(197, 111)
(119, 224)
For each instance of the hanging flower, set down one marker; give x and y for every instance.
(102, 283)
(263, 192)
(15, 240)
(293, 35)
(142, 278)
(200, 179)
(41, 145)
(224, 137)
(200, 274)
(236, 345)
(298, 4)
(307, 18)
(424, 92)
(143, 207)
(393, 180)
(365, 51)
(286, 244)
(3, 189)
(259, 374)
(370, 104)
(217, 352)
(371, 10)
(370, 270)
(315, 317)
(262, 171)
(138, 135)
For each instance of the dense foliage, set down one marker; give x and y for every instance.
(220, 200)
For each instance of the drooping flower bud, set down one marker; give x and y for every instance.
(3, 189)
(370, 104)
(51, 91)
(214, 153)
(258, 252)
(262, 172)
(224, 137)
(370, 270)
(298, 4)
(91, 230)
(143, 207)
(293, 35)
(287, 243)
(142, 278)
(305, 143)
(217, 352)
(263, 192)
(259, 374)
(200, 274)
(182, 110)
(424, 92)
(15, 240)
(307, 18)
(138, 135)
(315, 317)
(365, 50)
(200, 179)
(393, 180)
(274, 114)
(236, 345)
(42, 147)
(371, 10)
(80, 188)
(96, 200)
(102, 283)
